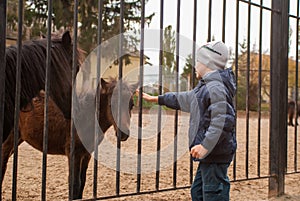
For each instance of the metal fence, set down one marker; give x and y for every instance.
(263, 132)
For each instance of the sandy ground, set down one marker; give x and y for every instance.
(30, 165)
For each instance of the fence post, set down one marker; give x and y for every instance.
(3, 6)
(279, 84)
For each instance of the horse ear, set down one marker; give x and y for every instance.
(103, 85)
(103, 82)
(66, 39)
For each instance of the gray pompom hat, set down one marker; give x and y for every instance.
(214, 55)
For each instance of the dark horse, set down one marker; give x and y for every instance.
(292, 112)
(33, 66)
(31, 128)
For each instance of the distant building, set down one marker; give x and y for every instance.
(151, 82)
(130, 71)
(109, 68)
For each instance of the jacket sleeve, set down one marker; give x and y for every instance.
(177, 100)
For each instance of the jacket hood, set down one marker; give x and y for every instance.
(226, 76)
(229, 80)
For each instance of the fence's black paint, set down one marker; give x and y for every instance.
(3, 8)
(279, 94)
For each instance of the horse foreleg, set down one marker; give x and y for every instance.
(84, 165)
(7, 151)
(76, 177)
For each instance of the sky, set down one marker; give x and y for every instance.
(186, 24)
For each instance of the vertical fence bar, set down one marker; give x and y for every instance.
(259, 88)
(3, 6)
(224, 21)
(96, 136)
(17, 100)
(209, 20)
(236, 67)
(193, 73)
(120, 97)
(158, 143)
(248, 91)
(140, 117)
(73, 130)
(177, 89)
(279, 77)
(47, 86)
(98, 100)
(296, 91)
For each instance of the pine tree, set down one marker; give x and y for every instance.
(169, 58)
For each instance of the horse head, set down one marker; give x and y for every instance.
(117, 98)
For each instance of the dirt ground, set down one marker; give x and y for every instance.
(30, 165)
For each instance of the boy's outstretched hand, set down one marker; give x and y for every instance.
(147, 97)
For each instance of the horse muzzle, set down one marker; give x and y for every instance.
(123, 135)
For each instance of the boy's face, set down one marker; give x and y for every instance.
(199, 70)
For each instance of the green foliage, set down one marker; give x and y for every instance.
(242, 97)
(12, 18)
(248, 92)
(145, 104)
(169, 58)
(35, 19)
(188, 71)
(169, 48)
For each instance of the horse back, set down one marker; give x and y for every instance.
(32, 125)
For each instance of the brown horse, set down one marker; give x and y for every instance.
(31, 129)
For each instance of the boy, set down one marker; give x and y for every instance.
(212, 121)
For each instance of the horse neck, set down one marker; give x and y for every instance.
(87, 109)
(103, 120)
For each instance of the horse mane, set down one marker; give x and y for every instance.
(33, 74)
(34, 62)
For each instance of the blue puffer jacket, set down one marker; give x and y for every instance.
(212, 114)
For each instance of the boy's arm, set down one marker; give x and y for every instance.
(174, 100)
(147, 97)
(178, 100)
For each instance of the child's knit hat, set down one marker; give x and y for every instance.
(214, 55)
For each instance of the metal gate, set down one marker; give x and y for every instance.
(263, 81)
